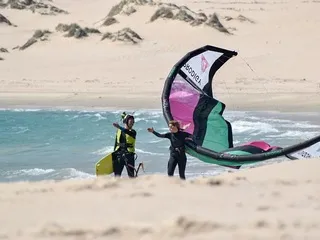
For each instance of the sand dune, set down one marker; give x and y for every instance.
(277, 44)
(279, 201)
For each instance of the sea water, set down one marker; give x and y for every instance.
(64, 144)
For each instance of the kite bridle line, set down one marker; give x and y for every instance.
(251, 69)
(257, 76)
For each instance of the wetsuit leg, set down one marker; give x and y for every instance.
(130, 165)
(182, 162)
(118, 164)
(172, 163)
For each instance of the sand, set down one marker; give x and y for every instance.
(279, 201)
(277, 63)
(276, 69)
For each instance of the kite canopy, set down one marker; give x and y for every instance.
(188, 97)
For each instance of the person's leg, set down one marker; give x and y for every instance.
(182, 162)
(172, 163)
(117, 164)
(130, 165)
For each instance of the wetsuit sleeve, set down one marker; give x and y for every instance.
(188, 135)
(131, 133)
(161, 135)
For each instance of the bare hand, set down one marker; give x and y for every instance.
(116, 125)
(150, 130)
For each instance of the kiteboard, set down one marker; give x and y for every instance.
(104, 166)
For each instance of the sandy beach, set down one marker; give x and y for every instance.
(277, 45)
(120, 59)
(271, 202)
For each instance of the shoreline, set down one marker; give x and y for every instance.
(101, 101)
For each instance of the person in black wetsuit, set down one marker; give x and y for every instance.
(177, 149)
(124, 147)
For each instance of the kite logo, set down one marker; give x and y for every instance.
(304, 154)
(204, 63)
(192, 73)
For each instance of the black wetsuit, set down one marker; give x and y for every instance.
(177, 151)
(122, 157)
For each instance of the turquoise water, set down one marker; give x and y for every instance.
(64, 144)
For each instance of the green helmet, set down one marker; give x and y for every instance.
(125, 117)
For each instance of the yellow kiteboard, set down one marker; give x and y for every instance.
(104, 166)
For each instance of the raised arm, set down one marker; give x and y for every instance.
(160, 135)
(131, 133)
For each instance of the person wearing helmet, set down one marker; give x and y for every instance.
(124, 147)
(178, 156)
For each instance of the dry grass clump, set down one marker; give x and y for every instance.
(109, 21)
(183, 13)
(41, 7)
(127, 7)
(124, 35)
(5, 20)
(75, 30)
(39, 35)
